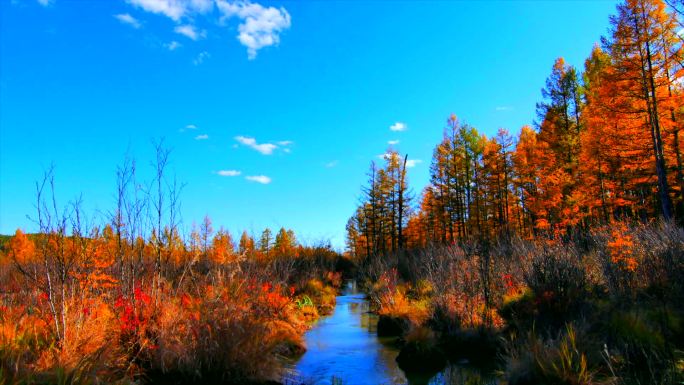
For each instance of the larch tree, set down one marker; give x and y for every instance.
(246, 245)
(644, 57)
(266, 243)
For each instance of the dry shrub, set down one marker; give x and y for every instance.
(224, 337)
(642, 259)
(91, 328)
(392, 300)
(552, 361)
(323, 296)
(30, 352)
(558, 282)
(22, 337)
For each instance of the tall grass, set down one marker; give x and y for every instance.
(604, 305)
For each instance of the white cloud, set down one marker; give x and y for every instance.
(393, 142)
(188, 127)
(201, 6)
(45, 3)
(260, 27)
(332, 164)
(190, 32)
(285, 142)
(202, 137)
(201, 58)
(173, 9)
(263, 179)
(413, 162)
(264, 148)
(398, 126)
(229, 172)
(174, 45)
(126, 18)
(504, 108)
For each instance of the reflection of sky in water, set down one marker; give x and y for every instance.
(344, 345)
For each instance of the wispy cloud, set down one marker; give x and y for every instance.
(228, 172)
(398, 126)
(201, 6)
(263, 179)
(174, 45)
(45, 3)
(126, 18)
(285, 142)
(173, 9)
(260, 26)
(202, 137)
(503, 108)
(188, 127)
(413, 163)
(393, 142)
(201, 58)
(169, 8)
(190, 32)
(264, 148)
(332, 164)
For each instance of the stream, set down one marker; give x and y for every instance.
(343, 348)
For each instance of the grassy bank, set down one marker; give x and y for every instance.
(201, 320)
(606, 306)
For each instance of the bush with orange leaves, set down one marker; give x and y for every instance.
(641, 257)
(221, 334)
(217, 326)
(29, 349)
(391, 298)
(467, 299)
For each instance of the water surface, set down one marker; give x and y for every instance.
(344, 347)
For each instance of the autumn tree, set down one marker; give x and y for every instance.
(285, 243)
(246, 245)
(266, 243)
(222, 249)
(647, 55)
(21, 249)
(559, 127)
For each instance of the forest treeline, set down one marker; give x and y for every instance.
(606, 146)
(555, 256)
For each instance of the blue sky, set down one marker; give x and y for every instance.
(273, 110)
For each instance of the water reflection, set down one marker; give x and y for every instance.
(344, 348)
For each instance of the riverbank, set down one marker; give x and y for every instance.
(209, 316)
(604, 308)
